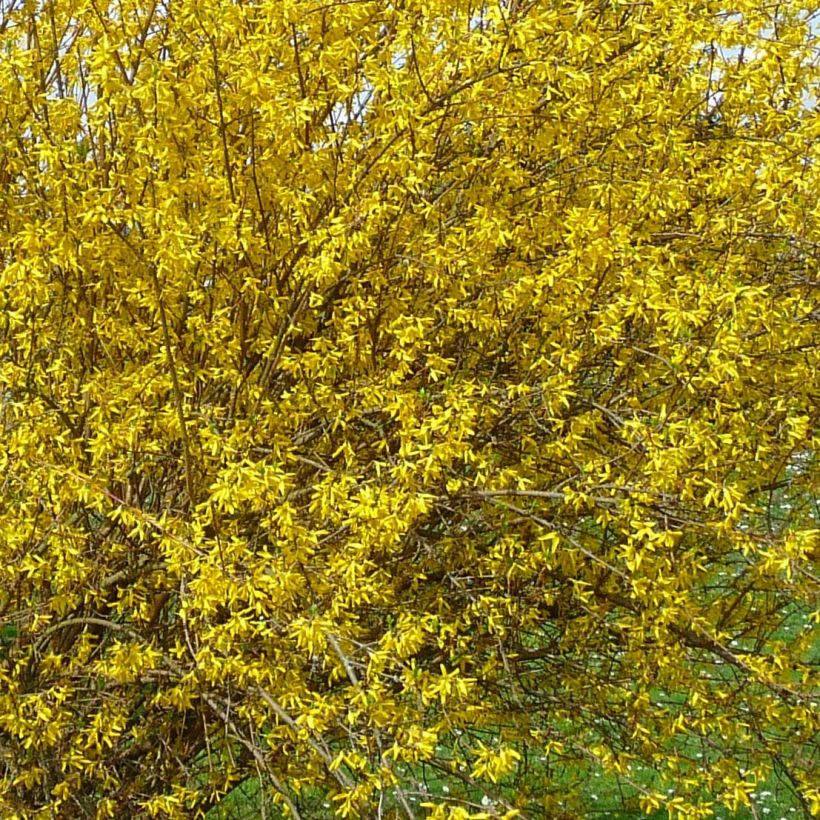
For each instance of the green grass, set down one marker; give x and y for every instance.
(602, 796)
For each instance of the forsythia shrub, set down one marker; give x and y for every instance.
(409, 408)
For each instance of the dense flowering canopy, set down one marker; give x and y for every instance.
(409, 408)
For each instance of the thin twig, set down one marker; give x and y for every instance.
(152, 271)
(321, 750)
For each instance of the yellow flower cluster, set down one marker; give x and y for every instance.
(408, 409)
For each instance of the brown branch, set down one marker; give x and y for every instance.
(166, 335)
